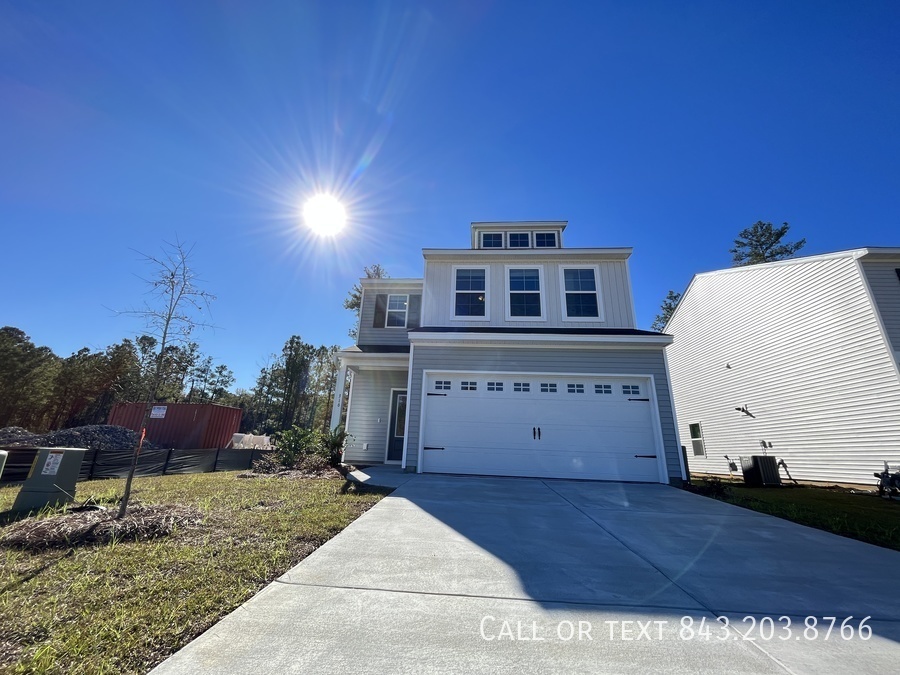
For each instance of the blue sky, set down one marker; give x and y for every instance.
(664, 126)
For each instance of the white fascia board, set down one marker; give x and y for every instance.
(377, 284)
(392, 361)
(543, 253)
(487, 339)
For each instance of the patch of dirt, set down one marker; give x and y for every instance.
(294, 474)
(93, 525)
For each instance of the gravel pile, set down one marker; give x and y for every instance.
(93, 437)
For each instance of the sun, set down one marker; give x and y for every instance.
(324, 215)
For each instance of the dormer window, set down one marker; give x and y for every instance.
(545, 239)
(491, 240)
(520, 240)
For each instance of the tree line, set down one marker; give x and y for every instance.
(42, 391)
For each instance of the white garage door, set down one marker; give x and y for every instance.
(548, 426)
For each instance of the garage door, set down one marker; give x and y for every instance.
(499, 424)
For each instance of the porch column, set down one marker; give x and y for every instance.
(338, 407)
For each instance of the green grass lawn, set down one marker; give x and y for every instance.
(862, 516)
(124, 607)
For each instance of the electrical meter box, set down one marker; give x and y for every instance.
(51, 481)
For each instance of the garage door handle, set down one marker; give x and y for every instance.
(431, 447)
(646, 456)
(432, 394)
(639, 399)
(534, 433)
(539, 433)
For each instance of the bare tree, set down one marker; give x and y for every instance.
(172, 312)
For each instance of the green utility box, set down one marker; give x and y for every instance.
(51, 481)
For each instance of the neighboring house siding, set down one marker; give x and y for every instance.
(506, 358)
(799, 345)
(615, 293)
(368, 414)
(368, 334)
(885, 287)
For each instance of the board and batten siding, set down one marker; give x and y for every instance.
(885, 284)
(550, 359)
(368, 414)
(615, 293)
(799, 345)
(368, 334)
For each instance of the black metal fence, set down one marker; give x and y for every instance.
(116, 463)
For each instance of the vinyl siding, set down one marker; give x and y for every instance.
(885, 287)
(367, 414)
(615, 294)
(505, 358)
(799, 345)
(368, 335)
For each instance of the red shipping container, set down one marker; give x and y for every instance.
(185, 426)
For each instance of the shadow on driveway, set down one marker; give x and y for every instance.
(468, 574)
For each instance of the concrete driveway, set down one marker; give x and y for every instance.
(494, 575)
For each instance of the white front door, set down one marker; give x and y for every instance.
(549, 426)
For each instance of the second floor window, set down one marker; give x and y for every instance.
(525, 292)
(580, 288)
(396, 310)
(470, 292)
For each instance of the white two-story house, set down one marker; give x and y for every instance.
(515, 357)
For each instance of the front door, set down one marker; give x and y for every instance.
(397, 426)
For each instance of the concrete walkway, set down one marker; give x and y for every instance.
(494, 575)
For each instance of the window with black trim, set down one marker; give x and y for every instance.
(467, 385)
(519, 240)
(697, 444)
(545, 239)
(631, 390)
(523, 387)
(470, 292)
(442, 385)
(525, 292)
(491, 240)
(580, 288)
(495, 386)
(548, 387)
(603, 389)
(576, 388)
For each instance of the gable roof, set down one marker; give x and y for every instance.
(873, 252)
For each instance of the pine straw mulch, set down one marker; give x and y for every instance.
(97, 525)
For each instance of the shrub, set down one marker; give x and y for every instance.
(312, 464)
(333, 445)
(295, 443)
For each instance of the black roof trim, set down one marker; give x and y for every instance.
(384, 349)
(516, 330)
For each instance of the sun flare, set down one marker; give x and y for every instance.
(324, 215)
